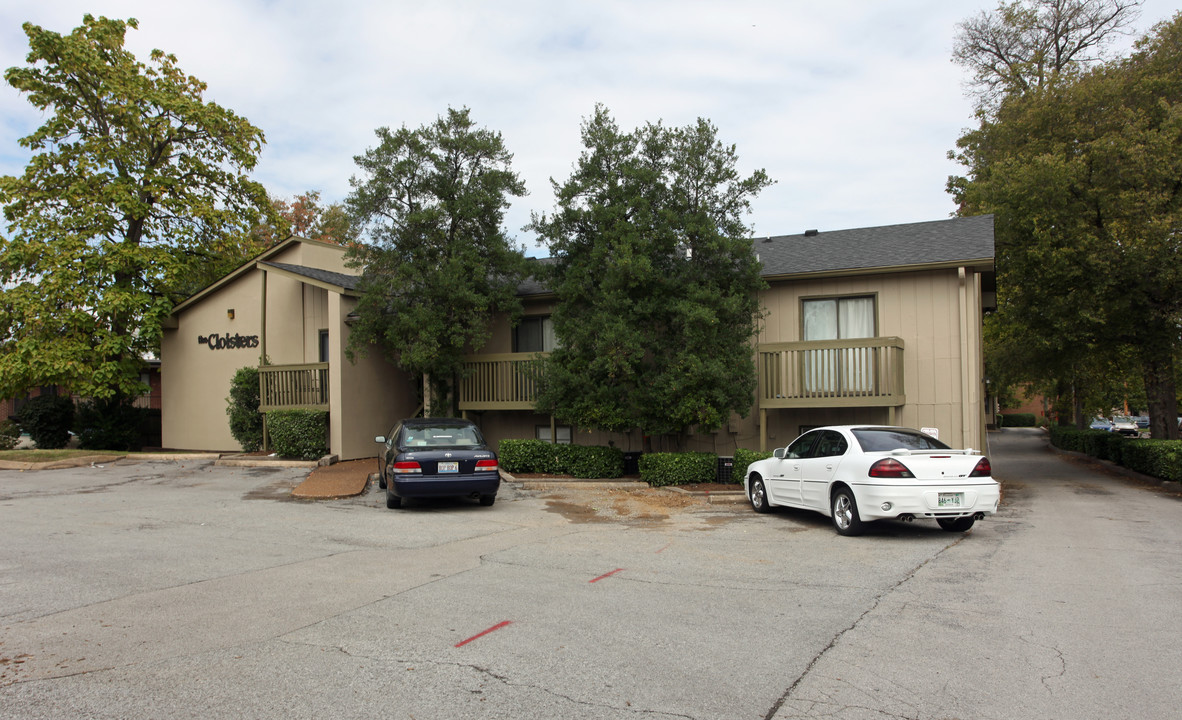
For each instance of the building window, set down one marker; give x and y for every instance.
(323, 346)
(563, 431)
(534, 334)
(839, 369)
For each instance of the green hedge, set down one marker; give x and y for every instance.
(1018, 420)
(743, 458)
(1158, 458)
(581, 461)
(658, 469)
(299, 434)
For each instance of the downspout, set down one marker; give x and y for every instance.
(263, 356)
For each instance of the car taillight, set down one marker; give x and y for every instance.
(407, 466)
(983, 469)
(889, 468)
(486, 465)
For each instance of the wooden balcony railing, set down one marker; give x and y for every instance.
(290, 387)
(506, 381)
(864, 372)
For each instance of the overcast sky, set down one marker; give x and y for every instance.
(850, 105)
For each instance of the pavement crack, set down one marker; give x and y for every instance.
(874, 603)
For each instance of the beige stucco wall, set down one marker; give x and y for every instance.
(195, 380)
(370, 395)
(367, 396)
(937, 313)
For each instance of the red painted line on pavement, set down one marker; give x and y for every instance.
(613, 572)
(662, 549)
(477, 636)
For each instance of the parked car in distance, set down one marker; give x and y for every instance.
(437, 457)
(859, 473)
(1125, 425)
(1142, 421)
(1100, 424)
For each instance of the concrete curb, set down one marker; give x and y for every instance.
(243, 461)
(723, 497)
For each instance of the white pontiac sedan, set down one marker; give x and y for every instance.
(859, 473)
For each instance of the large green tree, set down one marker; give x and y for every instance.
(135, 184)
(437, 265)
(656, 279)
(1084, 176)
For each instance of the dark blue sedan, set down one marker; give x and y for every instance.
(437, 457)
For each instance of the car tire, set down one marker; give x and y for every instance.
(487, 500)
(393, 502)
(382, 480)
(960, 524)
(844, 510)
(758, 496)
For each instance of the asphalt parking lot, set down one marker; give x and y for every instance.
(168, 590)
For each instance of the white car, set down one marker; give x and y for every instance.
(1125, 425)
(859, 473)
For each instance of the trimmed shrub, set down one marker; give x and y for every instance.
(109, 425)
(10, 434)
(659, 469)
(48, 419)
(1159, 458)
(530, 456)
(595, 461)
(299, 434)
(1018, 420)
(743, 458)
(581, 461)
(246, 422)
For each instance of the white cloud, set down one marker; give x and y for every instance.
(851, 105)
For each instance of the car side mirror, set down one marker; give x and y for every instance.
(380, 439)
(780, 453)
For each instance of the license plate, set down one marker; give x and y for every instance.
(950, 499)
(449, 467)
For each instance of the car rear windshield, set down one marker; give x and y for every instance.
(887, 439)
(441, 436)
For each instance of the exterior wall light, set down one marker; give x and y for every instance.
(230, 313)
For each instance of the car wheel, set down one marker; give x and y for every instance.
(382, 481)
(960, 524)
(487, 500)
(393, 502)
(758, 496)
(845, 512)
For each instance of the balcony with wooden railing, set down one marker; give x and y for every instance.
(862, 372)
(291, 387)
(505, 381)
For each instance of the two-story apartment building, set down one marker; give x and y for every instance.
(871, 325)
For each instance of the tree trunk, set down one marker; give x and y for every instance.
(1160, 392)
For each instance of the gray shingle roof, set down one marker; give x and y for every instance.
(341, 280)
(967, 241)
(957, 240)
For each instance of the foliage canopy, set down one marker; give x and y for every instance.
(135, 185)
(1083, 176)
(656, 281)
(437, 265)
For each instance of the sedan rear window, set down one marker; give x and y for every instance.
(887, 439)
(440, 437)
